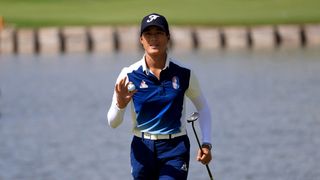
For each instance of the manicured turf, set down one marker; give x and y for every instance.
(34, 13)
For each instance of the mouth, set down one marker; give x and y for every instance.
(154, 46)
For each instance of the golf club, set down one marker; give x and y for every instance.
(195, 116)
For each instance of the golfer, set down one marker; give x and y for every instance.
(155, 88)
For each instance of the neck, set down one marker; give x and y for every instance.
(156, 62)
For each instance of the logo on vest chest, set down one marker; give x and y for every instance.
(143, 85)
(175, 82)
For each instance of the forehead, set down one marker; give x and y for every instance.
(153, 28)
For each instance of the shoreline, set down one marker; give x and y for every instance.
(106, 39)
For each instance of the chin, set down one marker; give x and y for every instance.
(154, 51)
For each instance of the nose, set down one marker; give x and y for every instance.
(153, 36)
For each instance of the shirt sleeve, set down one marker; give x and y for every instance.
(194, 93)
(115, 114)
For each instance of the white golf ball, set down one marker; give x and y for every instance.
(131, 87)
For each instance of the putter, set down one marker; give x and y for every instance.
(195, 116)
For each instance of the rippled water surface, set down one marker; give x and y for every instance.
(266, 116)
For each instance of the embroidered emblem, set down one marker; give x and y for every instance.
(143, 84)
(152, 17)
(184, 167)
(175, 82)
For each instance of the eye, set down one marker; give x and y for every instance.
(160, 33)
(147, 33)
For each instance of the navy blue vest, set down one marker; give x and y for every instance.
(158, 103)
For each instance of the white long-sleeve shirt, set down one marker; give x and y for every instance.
(158, 107)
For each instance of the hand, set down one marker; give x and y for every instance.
(204, 156)
(123, 95)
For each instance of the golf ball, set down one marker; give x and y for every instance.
(131, 87)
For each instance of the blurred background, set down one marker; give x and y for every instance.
(258, 63)
(40, 13)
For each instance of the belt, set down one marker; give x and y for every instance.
(145, 135)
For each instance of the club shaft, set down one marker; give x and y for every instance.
(207, 166)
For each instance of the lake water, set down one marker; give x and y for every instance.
(265, 106)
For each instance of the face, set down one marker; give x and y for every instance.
(154, 40)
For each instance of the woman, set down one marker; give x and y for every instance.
(160, 147)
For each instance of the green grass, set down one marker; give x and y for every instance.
(36, 13)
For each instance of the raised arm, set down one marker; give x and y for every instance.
(120, 99)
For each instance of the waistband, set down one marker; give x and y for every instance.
(145, 135)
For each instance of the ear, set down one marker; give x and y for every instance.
(141, 39)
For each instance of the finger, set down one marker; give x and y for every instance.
(199, 155)
(202, 158)
(123, 81)
(206, 159)
(122, 85)
(117, 88)
(131, 93)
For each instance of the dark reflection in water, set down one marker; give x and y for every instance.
(265, 107)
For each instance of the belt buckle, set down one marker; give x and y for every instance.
(157, 136)
(146, 135)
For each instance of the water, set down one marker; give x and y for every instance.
(265, 106)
